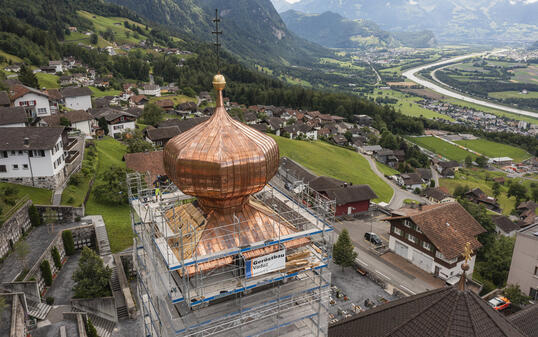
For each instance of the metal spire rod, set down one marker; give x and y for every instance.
(217, 33)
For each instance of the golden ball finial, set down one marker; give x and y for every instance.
(219, 83)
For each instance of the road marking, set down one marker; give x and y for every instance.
(407, 289)
(385, 276)
(363, 263)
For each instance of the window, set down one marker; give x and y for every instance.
(426, 245)
(54, 165)
(411, 238)
(4, 154)
(536, 271)
(42, 153)
(407, 223)
(397, 231)
(15, 166)
(418, 229)
(3, 168)
(41, 111)
(13, 153)
(533, 293)
(25, 166)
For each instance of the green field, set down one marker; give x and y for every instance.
(500, 113)
(98, 93)
(513, 94)
(117, 220)
(341, 64)
(39, 196)
(48, 81)
(526, 75)
(493, 149)
(442, 148)
(386, 170)
(407, 104)
(177, 99)
(329, 160)
(9, 57)
(115, 24)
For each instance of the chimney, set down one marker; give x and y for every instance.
(26, 141)
(420, 207)
(345, 184)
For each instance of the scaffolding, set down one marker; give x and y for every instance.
(196, 280)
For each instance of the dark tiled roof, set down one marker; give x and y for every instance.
(477, 192)
(411, 179)
(38, 138)
(324, 183)
(55, 94)
(109, 114)
(528, 205)
(449, 164)
(4, 98)
(73, 116)
(163, 133)
(504, 223)
(19, 90)
(143, 162)
(12, 115)
(440, 312)
(76, 91)
(526, 320)
(183, 124)
(350, 194)
(296, 170)
(424, 173)
(448, 226)
(435, 193)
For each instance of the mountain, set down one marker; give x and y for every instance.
(334, 31)
(450, 20)
(252, 29)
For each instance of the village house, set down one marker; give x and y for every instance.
(339, 140)
(370, 149)
(425, 174)
(77, 98)
(12, 117)
(504, 226)
(79, 120)
(205, 96)
(411, 181)
(523, 268)
(447, 168)
(117, 121)
(527, 213)
(58, 66)
(160, 136)
(66, 80)
(477, 196)
(150, 90)
(139, 100)
(165, 104)
(387, 157)
(34, 102)
(437, 195)
(363, 120)
(33, 156)
(432, 237)
(13, 68)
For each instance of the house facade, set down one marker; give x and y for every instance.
(150, 90)
(77, 98)
(433, 236)
(32, 156)
(524, 265)
(34, 102)
(79, 119)
(117, 121)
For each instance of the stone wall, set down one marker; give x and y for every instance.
(82, 236)
(103, 307)
(48, 182)
(13, 228)
(59, 214)
(29, 289)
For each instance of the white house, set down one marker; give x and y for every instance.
(77, 98)
(32, 156)
(433, 237)
(150, 90)
(12, 117)
(117, 121)
(58, 66)
(80, 120)
(34, 102)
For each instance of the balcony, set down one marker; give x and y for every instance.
(71, 143)
(71, 156)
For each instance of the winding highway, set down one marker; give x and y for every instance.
(411, 74)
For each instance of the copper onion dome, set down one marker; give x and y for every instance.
(221, 161)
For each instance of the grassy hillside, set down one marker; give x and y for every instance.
(48, 81)
(118, 224)
(493, 149)
(115, 24)
(442, 148)
(325, 159)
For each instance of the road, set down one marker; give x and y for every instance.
(410, 74)
(400, 194)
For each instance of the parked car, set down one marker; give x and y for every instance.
(373, 238)
(499, 303)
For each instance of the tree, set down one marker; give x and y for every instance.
(22, 249)
(343, 251)
(468, 161)
(103, 124)
(112, 189)
(27, 77)
(56, 257)
(495, 263)
(35, 217)
(64, 121)
(91, 276)
(91, 331)
(69, 244)
(432, 183)
(94, 38)
(460, 191)
(481, 161)
(496, 189)
(135, 142)
(46, 272)
(514, 294)
(152, 114)
(518, 191)
(535, 194)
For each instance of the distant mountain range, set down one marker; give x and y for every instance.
(332, 30)
(450, 20)
(253, 30)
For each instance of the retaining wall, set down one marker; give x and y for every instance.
(103, 307)
(59, 214)
(13, 228)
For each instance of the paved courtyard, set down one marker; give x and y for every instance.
(38, 240)
(62, 286)
(363, 224)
